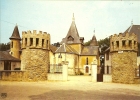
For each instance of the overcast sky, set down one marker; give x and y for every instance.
(55, 17)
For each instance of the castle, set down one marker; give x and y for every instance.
(34, 55)
(37, 55)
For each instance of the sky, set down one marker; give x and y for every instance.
(55, 17)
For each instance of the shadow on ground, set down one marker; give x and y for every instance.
(83, 95)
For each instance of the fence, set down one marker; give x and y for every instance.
(55, 68)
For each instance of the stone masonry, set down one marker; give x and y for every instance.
(123, 50)
(35, 55)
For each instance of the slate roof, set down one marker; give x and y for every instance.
(15, 34)
(5, 56)
(90, 50)
(64, 48)
(108, 49)
(53, 48)
(73, 32)
(93, 41)
(134, 29)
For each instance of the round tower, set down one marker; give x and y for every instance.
(123, 48)
(35, 55)
(15, 45)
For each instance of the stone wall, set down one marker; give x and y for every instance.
(12, 75)
(35, 62)
(123, 66)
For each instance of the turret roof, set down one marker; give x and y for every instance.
(134, 29)
(72, 33)
(93, 41)
(15, 34)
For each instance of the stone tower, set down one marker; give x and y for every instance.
(35, 55)
(15, 45)
(123, 48)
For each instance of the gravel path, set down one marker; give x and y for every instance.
(74, 89)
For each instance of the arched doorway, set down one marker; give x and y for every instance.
(87, 69)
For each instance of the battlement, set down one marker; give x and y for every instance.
(35, 40)
(123, 42)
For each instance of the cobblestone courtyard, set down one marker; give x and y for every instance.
(76, 88)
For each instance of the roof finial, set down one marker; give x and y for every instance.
(16, 24)
(73, 17)
(94, 31)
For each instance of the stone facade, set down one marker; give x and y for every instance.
(124, 57)
(35, 55)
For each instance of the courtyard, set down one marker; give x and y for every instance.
(76, 88)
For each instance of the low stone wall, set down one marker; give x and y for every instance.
(137, 80)
(107, 78)
(18, 75)
(12, 75)
(55, 77)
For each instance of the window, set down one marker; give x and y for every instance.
(117, 42)
(70, 39)
(87, 61)
(123, 43)
(42, 42)
(25, 41)
(37, 41)
(107, 55)
(12, 44)
(130, 43)
(31, 41)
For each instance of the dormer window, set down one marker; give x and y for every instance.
(70, 39)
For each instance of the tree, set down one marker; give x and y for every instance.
(4, 46)
(87, 43)
(103, 44)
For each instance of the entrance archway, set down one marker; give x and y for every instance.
(87, 69)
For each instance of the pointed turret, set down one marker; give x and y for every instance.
(15, 43)
(15, 34)
(94, 41)
(72, 35)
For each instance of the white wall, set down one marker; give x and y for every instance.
(71, 58)
(15, 65)
(108, 62)
(138, 61)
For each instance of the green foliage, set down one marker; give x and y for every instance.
(4, 46)
(87, 43)
(103, 44)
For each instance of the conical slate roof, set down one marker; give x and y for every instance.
(94, 41)
(15, 34)
(72, 35)
(134, 29)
